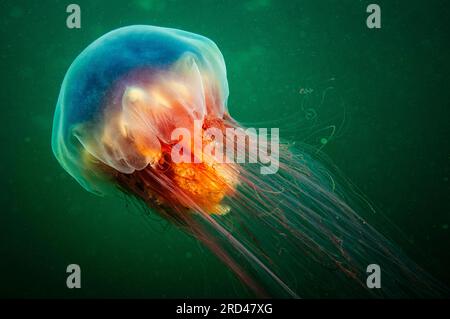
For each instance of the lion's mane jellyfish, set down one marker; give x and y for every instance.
(292, 233)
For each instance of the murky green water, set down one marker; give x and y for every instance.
(375, 101)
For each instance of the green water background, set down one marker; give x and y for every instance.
(385, 91)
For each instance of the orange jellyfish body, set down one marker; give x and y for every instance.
(162, 79)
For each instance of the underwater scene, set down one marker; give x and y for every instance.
(225, 149)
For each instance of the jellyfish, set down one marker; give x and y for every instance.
(297, 231)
